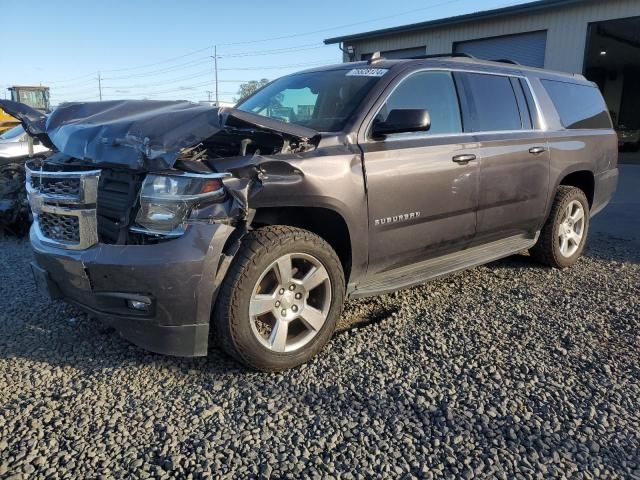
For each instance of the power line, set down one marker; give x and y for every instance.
(311, 46)
(74, 85)
(200, 74)
(81, 91)
(279, 67)
(247, 42)
(140, 72)
(159, 62)
(181, 66)
(163, 82)
(72, 79)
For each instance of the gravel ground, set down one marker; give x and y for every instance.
(509, 370)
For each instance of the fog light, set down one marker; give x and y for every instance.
(138, 305)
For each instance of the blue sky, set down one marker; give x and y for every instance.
(161, 48)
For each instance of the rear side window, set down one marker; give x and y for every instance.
(579, 106)
(433, 91)
(493, 105)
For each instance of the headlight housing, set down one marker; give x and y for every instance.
(167, 199)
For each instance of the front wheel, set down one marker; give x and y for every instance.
(564, 234)
(280, 301)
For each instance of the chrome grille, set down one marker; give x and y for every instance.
(60, 186)
(65, 228)
(64, 206)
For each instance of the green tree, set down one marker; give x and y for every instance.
(249, 88)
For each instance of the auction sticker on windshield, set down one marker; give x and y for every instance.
(367, 72)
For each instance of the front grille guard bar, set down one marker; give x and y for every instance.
(82, 205)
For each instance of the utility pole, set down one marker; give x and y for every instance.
(215, 66)
(100, 86)
(208, 92)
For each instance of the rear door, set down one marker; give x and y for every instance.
(514, 157)
(421, 201)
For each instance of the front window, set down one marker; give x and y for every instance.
(323, 101)
(431, 91)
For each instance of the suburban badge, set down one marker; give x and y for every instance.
(404, 217)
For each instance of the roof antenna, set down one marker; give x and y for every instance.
(375, 57)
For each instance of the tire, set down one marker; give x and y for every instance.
(550, 249)
(256, 281)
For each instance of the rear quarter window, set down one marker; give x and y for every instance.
(579, 106)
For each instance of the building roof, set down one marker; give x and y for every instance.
(470, 17)
(28, 87)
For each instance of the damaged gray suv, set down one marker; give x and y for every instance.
(181, 224)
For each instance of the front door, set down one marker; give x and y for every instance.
(422, 186)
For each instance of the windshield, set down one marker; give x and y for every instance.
(12, 133)
(323, 101)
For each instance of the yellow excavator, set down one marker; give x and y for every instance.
(7, 121)
(36, 97)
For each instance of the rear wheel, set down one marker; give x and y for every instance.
(281, 298)
(564, 234)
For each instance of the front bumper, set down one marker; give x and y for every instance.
(176, 278)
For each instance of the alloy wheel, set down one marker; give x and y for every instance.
(290, 302)
(571, 229)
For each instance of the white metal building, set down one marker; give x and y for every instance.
(599, 38)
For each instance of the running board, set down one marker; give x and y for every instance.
(417, 273)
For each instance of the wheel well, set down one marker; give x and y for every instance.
(583, 180)
(325, 223)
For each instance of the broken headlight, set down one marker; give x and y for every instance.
(167, 199)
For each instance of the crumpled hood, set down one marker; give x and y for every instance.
(139, 134)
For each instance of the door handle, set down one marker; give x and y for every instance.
(536, 150)
(464, 159)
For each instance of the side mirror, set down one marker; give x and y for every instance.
(402, 121)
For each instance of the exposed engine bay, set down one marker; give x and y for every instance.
(134, 172)
(238, 142)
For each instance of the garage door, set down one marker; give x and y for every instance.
(525, 48)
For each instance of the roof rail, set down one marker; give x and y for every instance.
(506, 60)
(442, 55)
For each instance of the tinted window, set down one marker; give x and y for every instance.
(433, 91)
(493, 103)
(579, 106)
